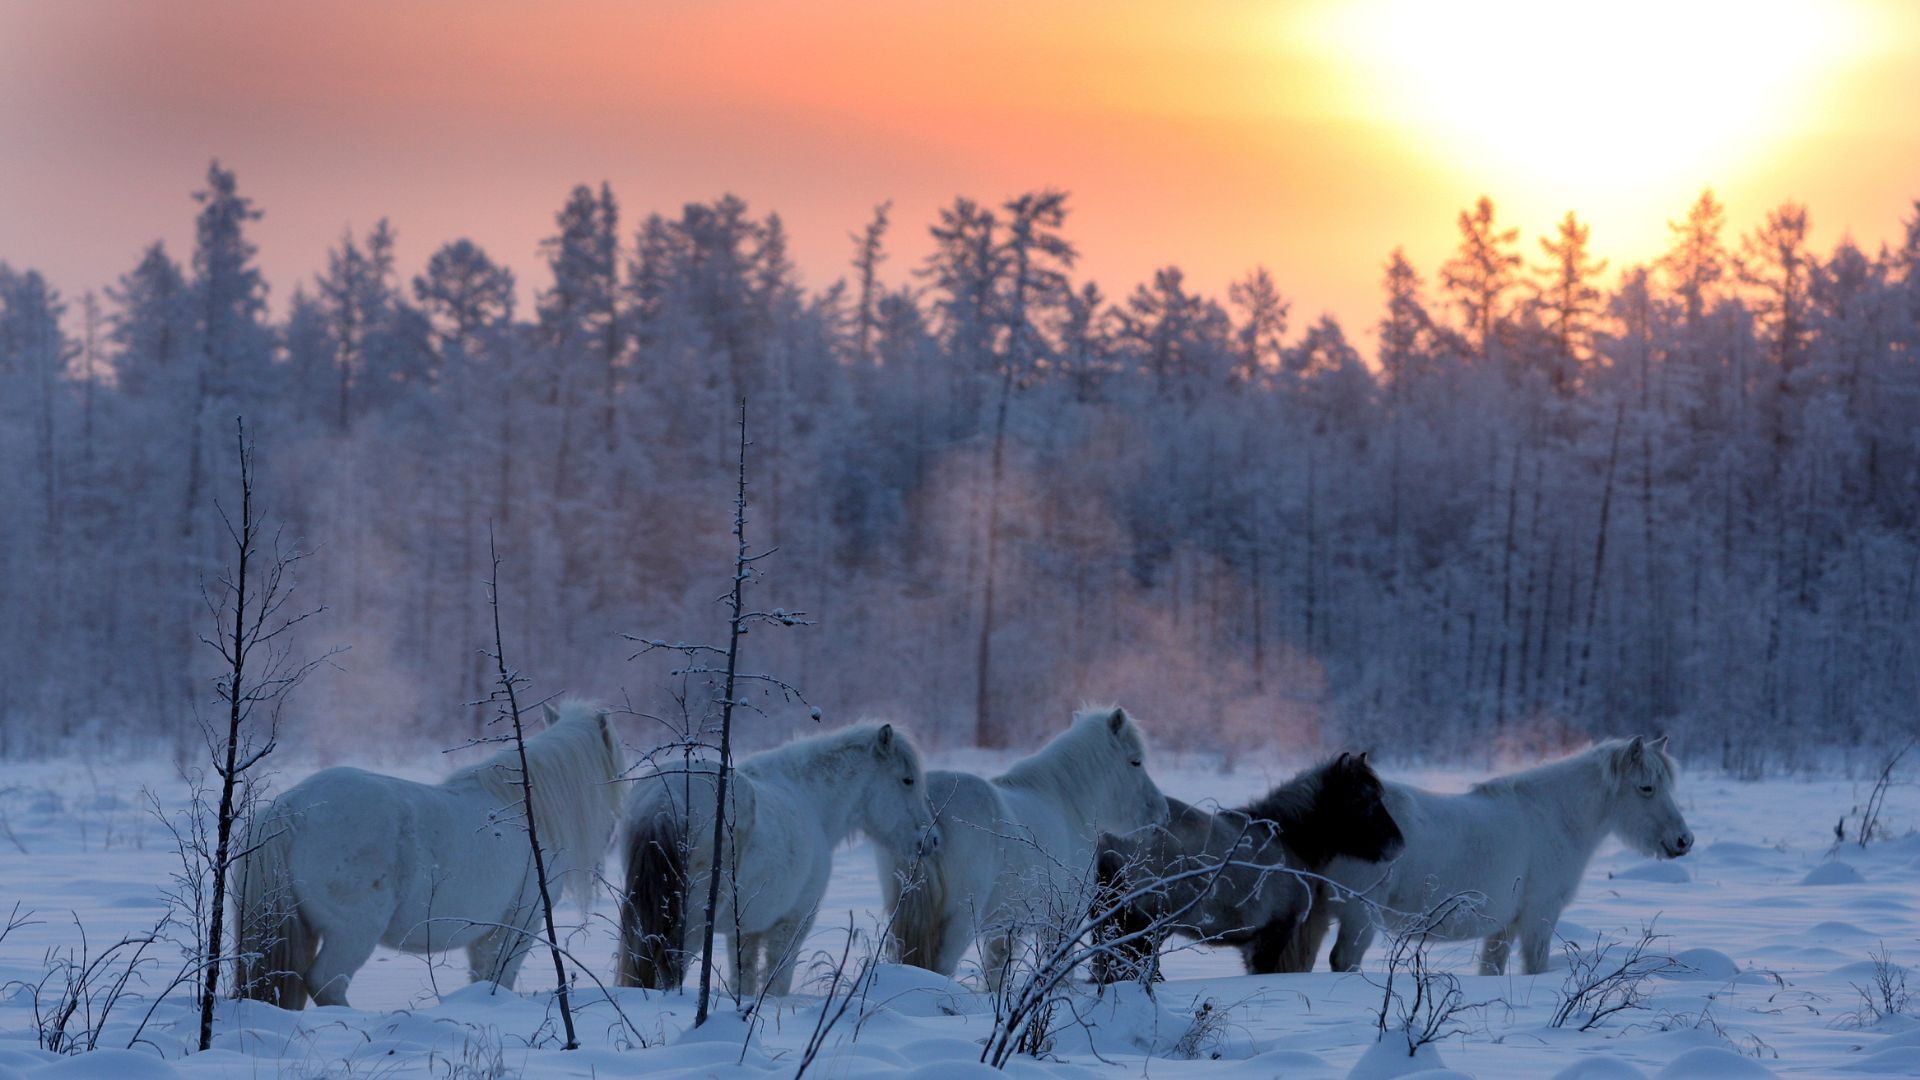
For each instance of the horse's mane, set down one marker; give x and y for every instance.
(1291, 802)
(574, 764)
(1065, 765)
(804, 753)
(1608, 754)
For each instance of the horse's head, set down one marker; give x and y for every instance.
(896, 813)
(1351, 804)
(1128, 798)
(1643, 776)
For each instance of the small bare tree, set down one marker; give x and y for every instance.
(706, 661)
(506, 697)
(251, 624)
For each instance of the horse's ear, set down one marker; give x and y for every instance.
(549, 713)
(1362, 759)
(1637, 748)
(1341, 761)
(1117, 721)
(883, 740)
(1659, 744)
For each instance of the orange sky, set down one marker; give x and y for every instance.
(1307, 136)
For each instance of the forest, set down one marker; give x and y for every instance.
(1562, 500)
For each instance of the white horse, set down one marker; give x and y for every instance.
(787, 810)
(1502, 860)
(1020, 848)
(354, 859)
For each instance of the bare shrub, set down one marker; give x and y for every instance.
(1885, 996)
(1419, 1002)
(1608, 979)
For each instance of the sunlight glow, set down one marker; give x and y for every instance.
(1593, 96)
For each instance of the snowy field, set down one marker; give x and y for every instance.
(1774, 933)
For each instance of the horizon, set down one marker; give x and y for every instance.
(1304, 137)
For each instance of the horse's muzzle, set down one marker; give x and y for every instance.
(929, 841)
(1679, 845)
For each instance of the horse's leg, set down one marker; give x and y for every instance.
(342, 952)
(1271, 946)
(744, 950)
(1536, 944)
(513, 952)
(1493, 951)
(483, 958)
(956, 933)
(496, 954)
(1117, 960)
(1355, 937)
(996, 955)
(1309, 933)
(783, 952)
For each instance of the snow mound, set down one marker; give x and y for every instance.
(1910, 1039)
(108, 1065)
(1600, 1068)
(1388, 1060)
(912, 991)
(1664, 872)
(1832, 873)
(1901, 1060)
(939, 1047)
(1572, 931)
(14, 1060)
(1704, 964)
(1735, 850)
(1864, 971)
(1902, 845)
(1713, 1063)
(727, 1028)
(1833, 929)
(1124, 1019)
(955, 1070)
(1288, 1063)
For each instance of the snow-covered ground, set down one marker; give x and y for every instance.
(1775, 933)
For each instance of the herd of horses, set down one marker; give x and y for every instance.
(1076, 835)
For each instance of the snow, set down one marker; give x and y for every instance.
(1772, 932)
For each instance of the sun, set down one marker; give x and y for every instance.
(1589, 97)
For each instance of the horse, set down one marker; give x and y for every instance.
(1020, 847)
(347, 859)
(1179, 885)
(1502, 860)
(787, 809)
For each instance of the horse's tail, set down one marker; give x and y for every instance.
(276, 944)
(916, 896)
(653, 907)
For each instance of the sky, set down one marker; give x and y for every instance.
(1308, 136)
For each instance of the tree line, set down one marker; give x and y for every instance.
(1560, 501)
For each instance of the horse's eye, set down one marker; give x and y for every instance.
(1136, 763)
(1647, 790)
(907, 780)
